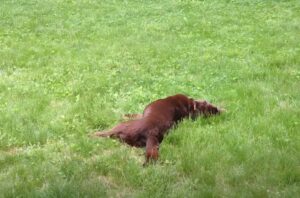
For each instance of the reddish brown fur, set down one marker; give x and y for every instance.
(148, 129)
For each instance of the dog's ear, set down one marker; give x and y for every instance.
(192, 105)
(205, 106)
(199, 103)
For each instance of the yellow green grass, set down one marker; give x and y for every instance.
(68, 68)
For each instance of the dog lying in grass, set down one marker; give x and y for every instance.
(148, 129)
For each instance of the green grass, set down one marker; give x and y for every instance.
(68, 68)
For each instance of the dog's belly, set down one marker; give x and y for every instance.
(136, 139)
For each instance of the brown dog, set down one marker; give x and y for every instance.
(148, 129)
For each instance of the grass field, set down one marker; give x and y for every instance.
(68, 68)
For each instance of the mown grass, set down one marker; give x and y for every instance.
(68, 68)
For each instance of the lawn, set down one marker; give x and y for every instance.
(68, 68)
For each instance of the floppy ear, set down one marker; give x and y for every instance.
(200, 103)
(192, 105)
(204, 102)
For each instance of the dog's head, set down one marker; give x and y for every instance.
(204, 108)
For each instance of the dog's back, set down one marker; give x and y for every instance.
(170, 109)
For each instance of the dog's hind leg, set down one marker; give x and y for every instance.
(152, 146)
